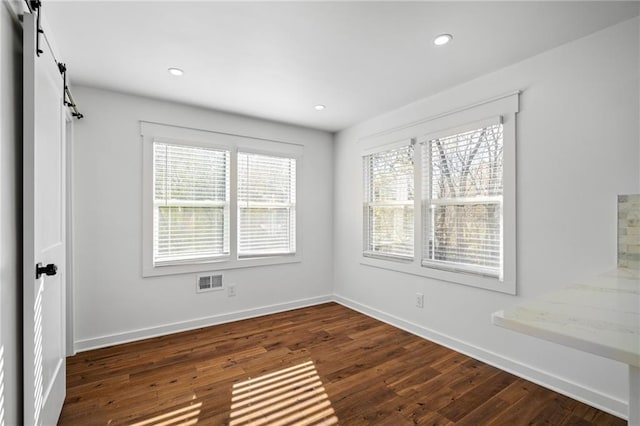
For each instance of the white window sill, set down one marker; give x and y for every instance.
(219, 265)
(507, 286)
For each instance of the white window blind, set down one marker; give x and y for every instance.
(388, 207)
(266, 205)
(191, 203)
(462, 181)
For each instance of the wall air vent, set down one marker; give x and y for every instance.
(208, 282)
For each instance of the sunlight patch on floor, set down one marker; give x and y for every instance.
(293, 395)
(184, 416)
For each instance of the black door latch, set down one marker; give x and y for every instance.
(49, 270)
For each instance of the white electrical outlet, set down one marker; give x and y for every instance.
(231, 290)
(419, 300)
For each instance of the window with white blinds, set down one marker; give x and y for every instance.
(190, 203)
(266, 205)
(460, 225)
(462, 185)
(216, 201)
(388, 203)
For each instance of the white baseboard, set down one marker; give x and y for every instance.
(162, 330)
(578, 392)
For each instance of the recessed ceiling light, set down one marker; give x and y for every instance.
(175, 71)
(442, 39)
(319, 107)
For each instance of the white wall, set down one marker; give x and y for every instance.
(578, 147)
(11, 213)
(113, 303)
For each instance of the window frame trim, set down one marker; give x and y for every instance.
(154, 131)
(506, 106)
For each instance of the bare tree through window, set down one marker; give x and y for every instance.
(462, 185)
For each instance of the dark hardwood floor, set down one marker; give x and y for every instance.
(322, 365)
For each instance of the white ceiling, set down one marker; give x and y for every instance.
(278, 60)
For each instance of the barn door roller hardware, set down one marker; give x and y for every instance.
(35, 6)
(66, 93)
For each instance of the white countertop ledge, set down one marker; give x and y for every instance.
(600, 315)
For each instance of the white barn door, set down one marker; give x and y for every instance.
(44, 233)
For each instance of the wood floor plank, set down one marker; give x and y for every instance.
(322, 365)
(474, 398)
